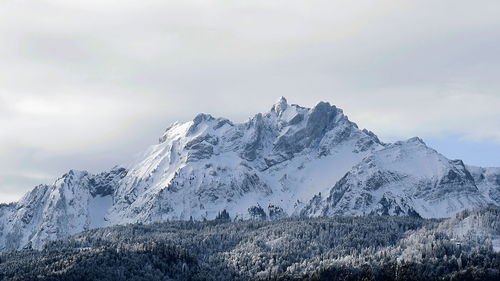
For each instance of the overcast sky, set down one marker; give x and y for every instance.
(89, 84)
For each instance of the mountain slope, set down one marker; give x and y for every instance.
(77, 201)
(289, 161)
(487, 181)
(404, 178)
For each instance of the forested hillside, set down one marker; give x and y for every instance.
(335, 248)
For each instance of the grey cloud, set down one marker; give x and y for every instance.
(399, 68)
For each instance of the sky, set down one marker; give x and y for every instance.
(90, 84)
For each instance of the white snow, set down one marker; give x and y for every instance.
(98, 208)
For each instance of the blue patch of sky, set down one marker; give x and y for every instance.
(476, 153)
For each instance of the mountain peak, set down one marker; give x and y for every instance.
(416, 140)
(280, 105)
(201, 117)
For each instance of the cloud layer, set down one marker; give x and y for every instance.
(86, 84)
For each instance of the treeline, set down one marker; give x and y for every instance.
(337, 248)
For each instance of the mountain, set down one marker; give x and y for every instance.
(273, 163)
(406, 178)
(289, 161)
(75, 202)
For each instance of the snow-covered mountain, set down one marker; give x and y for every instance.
(275, 162)
(289, 161)
(75, 202)
(404, 178)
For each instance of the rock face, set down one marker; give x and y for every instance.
(487, 181)
(404, 178)
(289, 161)
(77, 201)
